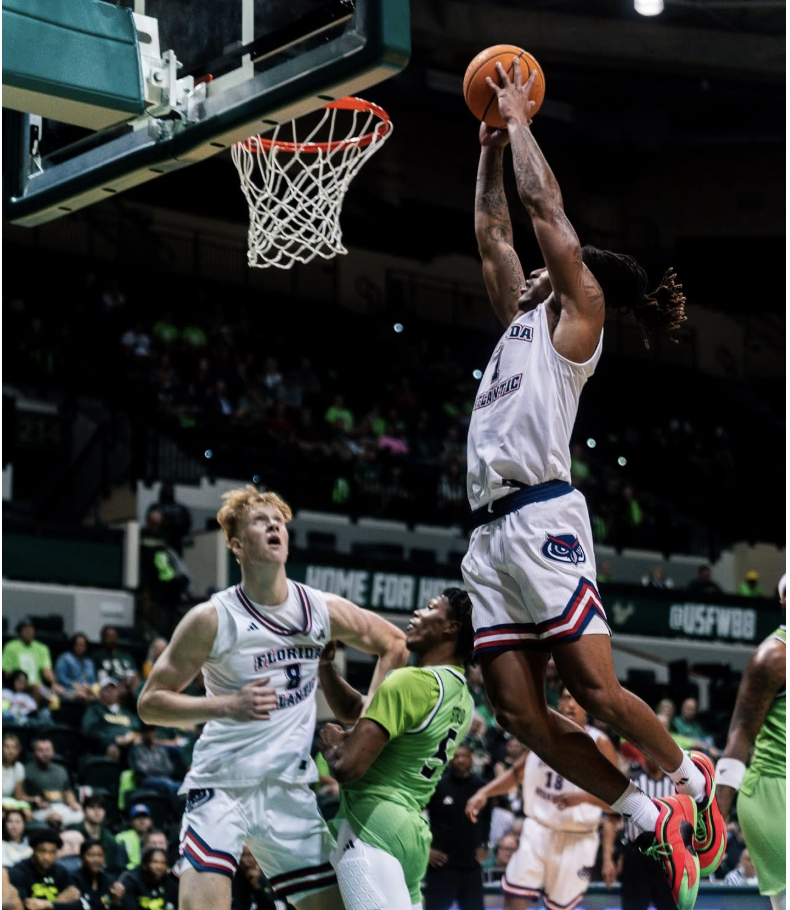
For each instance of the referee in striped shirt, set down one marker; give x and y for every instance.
(641, 880)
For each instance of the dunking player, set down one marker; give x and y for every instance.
(760, 719)
(559, 840)
(389, 764)
(258, 645)
(530, 565)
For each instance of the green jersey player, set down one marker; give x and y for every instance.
(759, 720)
(389, 764)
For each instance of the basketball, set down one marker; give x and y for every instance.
(480, 99)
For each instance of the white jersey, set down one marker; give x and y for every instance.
(541, 787)
(254, 642)
(524, 411)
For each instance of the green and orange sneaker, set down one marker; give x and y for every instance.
(673, 847)
(710, 834)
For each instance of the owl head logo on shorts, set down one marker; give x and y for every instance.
(563, 548)
(197, 798)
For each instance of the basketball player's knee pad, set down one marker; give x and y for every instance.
(355, 876)
(369, 878)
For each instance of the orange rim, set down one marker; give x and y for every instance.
(256, 143)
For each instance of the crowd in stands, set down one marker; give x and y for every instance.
(292, 392)
(90, 798)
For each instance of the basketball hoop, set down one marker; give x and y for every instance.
(295, 187)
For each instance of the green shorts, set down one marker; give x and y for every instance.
(401, 832)
(761, 815)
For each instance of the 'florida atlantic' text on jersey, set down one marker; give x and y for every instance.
(282, 643)
(524, 411)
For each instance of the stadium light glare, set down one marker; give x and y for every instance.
(649, 7)
(398, 328)
(622, 462)
(208, 453)
(477, 374)
(591, 443)
(256, 478)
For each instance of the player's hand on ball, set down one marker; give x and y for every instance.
(328, 654)
(513, 97)
(474, 805)
(254, 701)
(491, 137)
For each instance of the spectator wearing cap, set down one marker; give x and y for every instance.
(98, 890)
(46, 786)
(151, 763)
(108, 725)
(25, 653)
(749, 587)
(116, 663)
(40, 880)
(131, 838)
(92, 827)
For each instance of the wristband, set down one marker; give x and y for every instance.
(729, 772)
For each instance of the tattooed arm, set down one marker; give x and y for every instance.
(578, 299)
(502, 270)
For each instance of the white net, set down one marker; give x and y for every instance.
(295, 186)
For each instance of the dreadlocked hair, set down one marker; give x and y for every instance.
(461, 609)
(624, 285)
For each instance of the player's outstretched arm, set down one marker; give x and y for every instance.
(763, 678)
(500, 785)
(368, 632)
(162, 700)
(575, 289)
(502, 271)
(344, 700)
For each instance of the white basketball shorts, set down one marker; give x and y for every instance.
(281, 825)
(531, 577)
(555, 865)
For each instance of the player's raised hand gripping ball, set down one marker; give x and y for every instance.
(481, 99)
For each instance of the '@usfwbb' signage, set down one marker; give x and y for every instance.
(637, 615)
